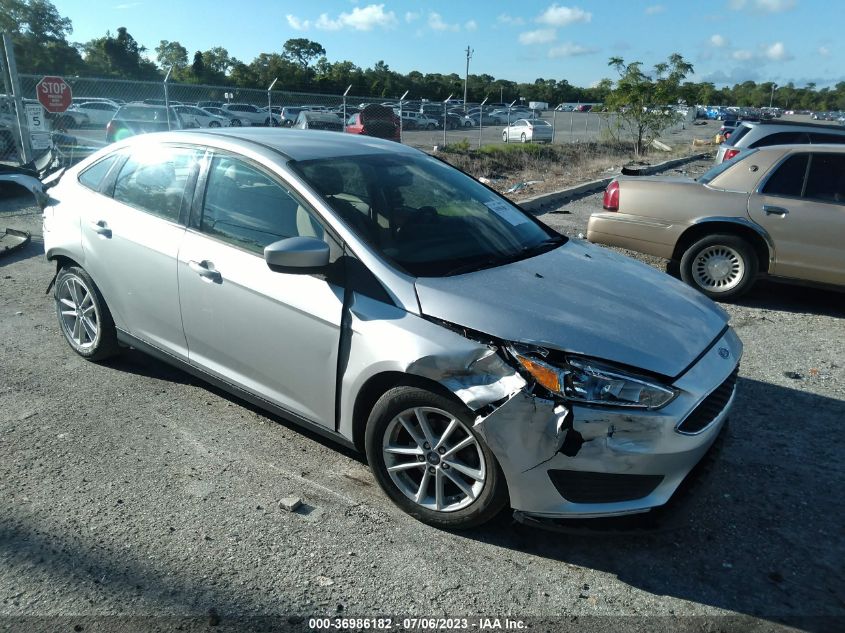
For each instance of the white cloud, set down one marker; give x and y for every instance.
(655, 9)
(824, 51)
(570, 49)
(510, 20)
(411, 16)
(540, 36)
(127, 5)
(742, 55)
(359, 19)
(762, 6)
(777, 52)
(296, 24)
(435, 21)
(718, 41)
(471, 25)
(564, 16)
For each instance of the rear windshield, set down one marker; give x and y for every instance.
(717, 170)
(738, 133)
(138, 113)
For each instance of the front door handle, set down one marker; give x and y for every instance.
(101, 227)
(771, 210)
(206, 270)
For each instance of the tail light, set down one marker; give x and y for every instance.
(729, 153)
(611, 196)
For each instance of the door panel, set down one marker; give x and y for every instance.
(131, 244)
(274, 334)
(807, 223)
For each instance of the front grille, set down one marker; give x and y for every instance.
(710, 407)
(589, 487)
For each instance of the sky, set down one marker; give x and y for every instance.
(727, 41)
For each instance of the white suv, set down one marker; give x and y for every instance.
(240, 112)
(418, 120)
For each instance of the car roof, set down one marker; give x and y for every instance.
(294, 144)
(799, 124)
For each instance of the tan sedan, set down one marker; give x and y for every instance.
(778, 211)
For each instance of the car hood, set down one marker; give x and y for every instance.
(582, 299)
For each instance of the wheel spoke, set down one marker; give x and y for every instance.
(68, 303)
(426, 428)
(459, 446)
(423, 486)
(452, 426)
(438, 489)
(403, 450)
(411, 431)
(90, 328)
(460, 483)
(77, 330)
(472, 473)
(87, 301)
(406, 466)
(69, 313)
(74, 294)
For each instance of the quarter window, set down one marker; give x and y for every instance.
(93, 176)
(249, 209)
(782, 138)
(154, 179)
(788, 180)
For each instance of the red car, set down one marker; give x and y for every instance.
(375, 120)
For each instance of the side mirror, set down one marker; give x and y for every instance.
(297, 256)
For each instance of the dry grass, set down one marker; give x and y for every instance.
(547, 167)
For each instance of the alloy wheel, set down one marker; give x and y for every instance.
(434, 459)
(79, 317)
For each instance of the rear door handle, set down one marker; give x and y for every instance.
(101, 227)
(771, 210)
(206, 270)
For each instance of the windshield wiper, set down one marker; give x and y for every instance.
(548, 244)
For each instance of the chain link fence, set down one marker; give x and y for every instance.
(423, 124)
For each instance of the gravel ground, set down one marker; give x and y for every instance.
(133, 497)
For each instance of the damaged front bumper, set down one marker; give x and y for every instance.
(569, 460)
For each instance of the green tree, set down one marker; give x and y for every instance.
(119, 56)
(172, 55)
(39, 36)
(641, 101)
(302, 51)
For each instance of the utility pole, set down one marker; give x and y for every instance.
(469, 53)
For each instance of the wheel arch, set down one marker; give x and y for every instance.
(378, 385)
(756, 236)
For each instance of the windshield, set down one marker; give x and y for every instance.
(424, 216)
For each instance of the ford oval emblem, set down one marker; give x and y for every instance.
(724, 352)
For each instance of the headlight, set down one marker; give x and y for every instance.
(592, 382)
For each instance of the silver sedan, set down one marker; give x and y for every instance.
(376, 295)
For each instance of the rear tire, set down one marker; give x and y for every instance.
(84, 317)
(522, 138)
(721, 266)
(466, 484)
(236, 123)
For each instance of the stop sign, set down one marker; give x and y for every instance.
(54, 94)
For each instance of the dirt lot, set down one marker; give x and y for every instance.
(133, 496)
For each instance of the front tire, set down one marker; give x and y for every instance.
(720, 266)
(505, 137)
(236, 123)
(84, 317)
(523, 138)
(426, 456)
(214, 124)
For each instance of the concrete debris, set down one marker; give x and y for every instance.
(290, 504)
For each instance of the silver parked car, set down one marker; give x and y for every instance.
(378, 296)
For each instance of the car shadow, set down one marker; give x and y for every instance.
(135, 362)
(762, 534)
(772, 295)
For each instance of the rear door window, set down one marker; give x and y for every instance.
(817, 138)
(155, 179)
(788, 179)
(826, 180)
